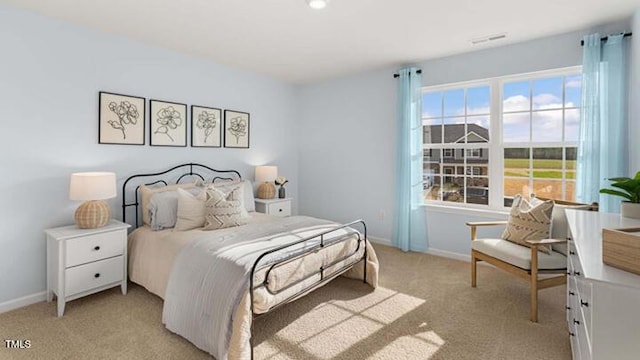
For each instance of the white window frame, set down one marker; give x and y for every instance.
(495, 146)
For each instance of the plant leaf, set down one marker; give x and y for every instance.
(616, 193)
(629, 185)
(637, 176)
(619, 179)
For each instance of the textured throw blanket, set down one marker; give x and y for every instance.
(206, 300)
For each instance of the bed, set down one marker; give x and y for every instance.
(215, 282)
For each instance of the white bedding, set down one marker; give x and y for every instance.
(193, 309)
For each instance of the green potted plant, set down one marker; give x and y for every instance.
(629, 189)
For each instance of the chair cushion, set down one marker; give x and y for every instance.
(518, 255)
(529, 222)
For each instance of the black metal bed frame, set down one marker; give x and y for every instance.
(190, 170)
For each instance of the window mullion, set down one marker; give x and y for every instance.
(496, 161)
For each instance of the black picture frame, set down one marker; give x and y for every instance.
(167, 123)
(121, 119)
(237, 126)
(206, 126)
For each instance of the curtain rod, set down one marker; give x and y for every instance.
(606, 38)
(419, 71)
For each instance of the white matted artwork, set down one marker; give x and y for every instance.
(120, 119)
(206, 126)
(168, 123)
(236, 129)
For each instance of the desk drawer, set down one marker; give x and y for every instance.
(280, 208)
(93, 275)
(584, 302)
(87, 249)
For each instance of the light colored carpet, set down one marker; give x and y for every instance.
(423, 309)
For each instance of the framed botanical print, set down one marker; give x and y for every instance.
(120, 119)
(206, 126)
(168, 123)
(236, 129)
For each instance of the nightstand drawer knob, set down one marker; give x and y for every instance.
(571, 293)
(584, 303)
(571, 252)
(96, 248)
(280, 210)
(97, 275)
(577, 273)
(576, 321)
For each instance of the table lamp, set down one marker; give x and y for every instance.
(93, 188)
(266, 175)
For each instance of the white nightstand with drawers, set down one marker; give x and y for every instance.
(85, 261)
(275, 207)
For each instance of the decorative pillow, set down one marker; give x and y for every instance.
(163, 208)
(224, 210)
(247, 191)
(559, 225)
(527, 222)
(190, 210)
(146, 192)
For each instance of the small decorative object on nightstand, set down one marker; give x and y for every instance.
(266, 175)
(92, 187)
(275, 207)
(85, 261)
(280, 181)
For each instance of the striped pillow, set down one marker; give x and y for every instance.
(528, 222)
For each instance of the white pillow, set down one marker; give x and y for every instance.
(190, 210)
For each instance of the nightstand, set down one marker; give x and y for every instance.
(85, 261)
(275, 207)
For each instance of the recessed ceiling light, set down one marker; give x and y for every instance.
(318, 4)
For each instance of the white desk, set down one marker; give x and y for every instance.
(603, 302)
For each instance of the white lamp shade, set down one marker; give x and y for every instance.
(266, 173)
(92, 186)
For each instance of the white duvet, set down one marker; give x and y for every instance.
(206, 296)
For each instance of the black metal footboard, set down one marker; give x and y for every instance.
(324, 276)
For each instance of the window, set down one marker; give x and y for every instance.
(474, 153)
(456, 131)
(497, 138)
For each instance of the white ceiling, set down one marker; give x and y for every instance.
(287, 40)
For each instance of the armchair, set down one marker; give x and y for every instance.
(525, 262)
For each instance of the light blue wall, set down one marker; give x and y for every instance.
(50, 75)
(347, 136)
(634, 97)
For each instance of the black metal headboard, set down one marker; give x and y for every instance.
(178, 173)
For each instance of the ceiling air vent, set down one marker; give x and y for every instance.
(485, 39)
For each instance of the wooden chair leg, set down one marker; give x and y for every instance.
(473, 268)
(534, 284)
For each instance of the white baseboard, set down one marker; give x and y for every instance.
(449, 254)
(431, 251)
(23, 301)
(436, 252)
(380, 241)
